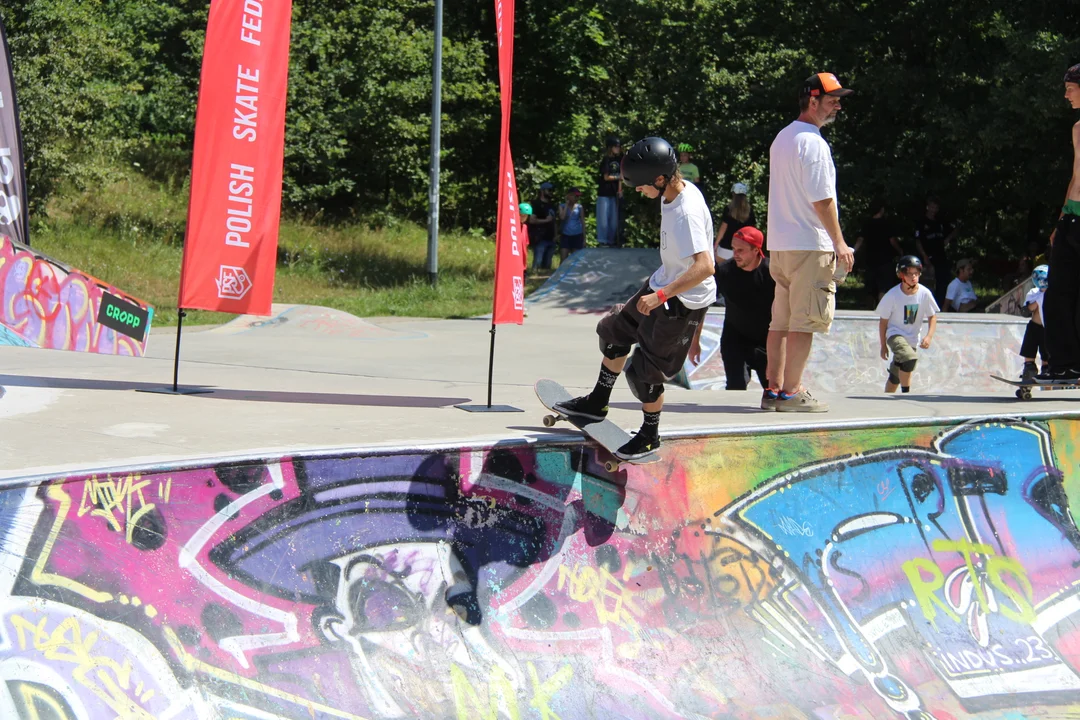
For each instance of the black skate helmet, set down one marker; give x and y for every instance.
(648, 159)
(908, 261)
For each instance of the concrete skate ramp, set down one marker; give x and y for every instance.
(965, 351)
(877, 572)
(592, 280)
(303, 321)
(47, 304)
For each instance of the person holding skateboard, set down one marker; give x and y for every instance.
(662, 318)
(1062, 301)
(901, 312)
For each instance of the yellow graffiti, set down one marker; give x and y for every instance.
(193, 664)
(545, 691)
(100, 674)
(106, 498)
(501, 696)
(38, 574)
(926, 579)
(613, 601)
(32, 695)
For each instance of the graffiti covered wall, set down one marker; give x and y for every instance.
(45, 304)
(875, 573)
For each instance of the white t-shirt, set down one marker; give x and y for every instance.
(1035, 295)
(960, 292)
(685, 229)
(801, 172)
(906, 313)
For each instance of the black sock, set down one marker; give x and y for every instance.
(905, 388)
(651, 427)
(602, 392)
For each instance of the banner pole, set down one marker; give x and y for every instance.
(176, 356)
(491, 364)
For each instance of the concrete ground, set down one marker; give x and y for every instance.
(310, 379)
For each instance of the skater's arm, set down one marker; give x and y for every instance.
(703, 267)
(826, 212)
(930, 334)
(883, 325)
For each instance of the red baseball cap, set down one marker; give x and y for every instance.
(751, 236)
(824, 84)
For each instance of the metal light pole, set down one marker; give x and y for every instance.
(436, 134)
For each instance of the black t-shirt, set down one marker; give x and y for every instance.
(876, 233)
(734, 226)
(748, 299)
(932, 234)
(609, 166)
(542, 232)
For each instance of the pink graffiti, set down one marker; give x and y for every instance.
(50, 306)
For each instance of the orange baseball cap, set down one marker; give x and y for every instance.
(751, 236)
(824, 84)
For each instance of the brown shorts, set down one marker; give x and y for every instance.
(805, 299)
(662, 337)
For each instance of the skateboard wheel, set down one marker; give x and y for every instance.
(549, 420)
(1024, 393)
(611, 466)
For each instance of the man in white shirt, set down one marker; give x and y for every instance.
(805, 243)
(662, 317)
(960, 295)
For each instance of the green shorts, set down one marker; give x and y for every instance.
(902, 352)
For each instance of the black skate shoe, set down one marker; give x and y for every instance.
(638, 447)
(1029, 372)
(582, 408)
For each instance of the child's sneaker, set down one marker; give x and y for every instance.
(638, 447)
(581, 407)
(769, 398)
(1029, 372)
(801, 401)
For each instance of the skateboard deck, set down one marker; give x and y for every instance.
(1023, 389)
(606, 433)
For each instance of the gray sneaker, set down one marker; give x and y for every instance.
(768, 399)
(801, 401)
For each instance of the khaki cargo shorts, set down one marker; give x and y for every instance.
(805, 299)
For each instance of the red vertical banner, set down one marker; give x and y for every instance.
(230, 249)
(509, 234)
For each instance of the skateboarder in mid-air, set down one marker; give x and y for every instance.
(662, 317)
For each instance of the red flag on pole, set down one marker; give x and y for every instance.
(509, 234)
(230, 250)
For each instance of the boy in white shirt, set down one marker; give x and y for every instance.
(960, 296)
(1034, 337)
(901, 312)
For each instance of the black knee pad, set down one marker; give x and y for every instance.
(646, 392)
(894, 379)
(614, 352)
(907, 366)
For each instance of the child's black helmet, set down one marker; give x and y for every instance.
(908, 261)
(648, 159)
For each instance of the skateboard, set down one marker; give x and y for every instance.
(1023, 389)
(606, 433)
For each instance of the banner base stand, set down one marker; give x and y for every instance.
(175, 391)
(488, 408)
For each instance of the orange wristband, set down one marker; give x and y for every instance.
(660, 294)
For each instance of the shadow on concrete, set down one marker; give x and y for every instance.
(695, 408)
(987, 399)
(215, 393)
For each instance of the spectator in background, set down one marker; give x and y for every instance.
(932, 238)
(541, 225)
(572, 224)
(738, 215)
(688, 169)
(880, 245)
(748, 291)
(960, 295)
(608, 193)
